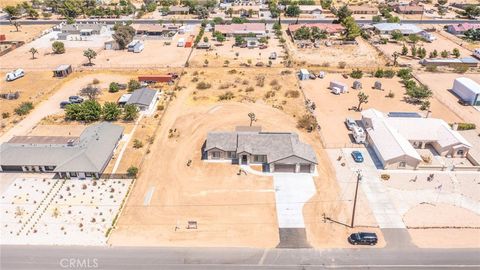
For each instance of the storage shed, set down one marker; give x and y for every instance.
(304, 74)
(357, 85)
(377, 85)
(467, 90)
(62, 71)
(338, 87)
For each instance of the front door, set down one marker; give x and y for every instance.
(244, 159)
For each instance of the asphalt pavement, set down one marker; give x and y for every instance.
(118, 258)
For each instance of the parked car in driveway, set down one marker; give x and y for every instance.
(63, 104)
(363, 238)
(75, 99)
(357, 156)
(350, 123)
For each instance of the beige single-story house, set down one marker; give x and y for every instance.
(394, 139)
(311, 9)
(363, 10)
(275, 151)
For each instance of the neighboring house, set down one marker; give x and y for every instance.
(178, 10)
(311, 9)
(276, 152)
(144, 99)
(76, 157)
(394, 139)
(461, 28)
(467, 90)
(81, 29)
(246, 11)
(451, 62)
(244, 29)
(159, 30)
(409, 9)
(428, 36)
(404, 28)
(330, 28)
(363, 10)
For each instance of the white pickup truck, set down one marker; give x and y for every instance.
(11, 76)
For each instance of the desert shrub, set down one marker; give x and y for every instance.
(292, 94)
(58, 47)
(260, 80)
(307, 122)
(390, 94)
(269, 94)
(232, 71)
(160, 107)
(226, 96)
(342, 64)
(24, 108)
(460, 68)
(203, 85)
(132, 171)
(325, 64)
(137, 144)
(405, 73)
(466, 126)
(245, 82)
(133, 85)
(286, 72)
(379, 73)
(113, 87)
(273, 82)
(224, 86)
(356, 74)
(249, 89)
(389, 73)
(5, 115)
(95, 81)
(385, 176)
(431, 68)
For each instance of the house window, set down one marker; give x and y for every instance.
(73, 174)
(259, 158)
(402, 164)
(460, 152)
(215, 154)
(49, 168)
(231, 154)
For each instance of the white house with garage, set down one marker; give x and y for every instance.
(144, 98)
(395, 139)
(275, 151)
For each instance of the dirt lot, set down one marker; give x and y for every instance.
(227, 52)
(361, 55)
(332, 109)
(440, 44)
(27, 32)
(441, 84)
(231, 210)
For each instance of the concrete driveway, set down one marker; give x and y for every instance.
(292, 191)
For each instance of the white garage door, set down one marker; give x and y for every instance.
(285, 168)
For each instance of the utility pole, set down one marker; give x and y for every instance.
(359, 177)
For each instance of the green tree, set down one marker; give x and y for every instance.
(317, 34)
(90, 54)
(376, 19)
(239, 40)
(123, 35)
(473, 34)
(393, 19)
(444, 53)
(472, 11)
(91, 111)
(397, 35)
(362, 99)
(352, 28)
(405, 73)
(111, 111)
(113, 87)
(58, 47)
(303, 33)
(414, 51)
(130, 112)
(326, 4)
(132, 171)
(343, 13)
(12, 11)
(417, 93)
(292, 11)
(413, 38)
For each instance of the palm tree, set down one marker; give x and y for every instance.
(33, 51)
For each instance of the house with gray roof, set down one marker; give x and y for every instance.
(80, 157)
(275, 151)
(144, 98)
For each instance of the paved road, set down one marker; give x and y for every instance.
(195, 21)
(56, 257)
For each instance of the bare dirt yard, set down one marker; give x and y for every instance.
(234, 56)
(230, 210)
(331, 110)
(157, 54)
(26, 33)
(441, 84)
(362, 55)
